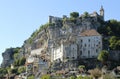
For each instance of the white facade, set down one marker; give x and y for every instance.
(65, 51)
(89, 46)
(57, 53)
(70, 51)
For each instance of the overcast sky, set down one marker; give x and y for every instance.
(19, 18)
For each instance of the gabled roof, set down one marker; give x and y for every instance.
(91, 32)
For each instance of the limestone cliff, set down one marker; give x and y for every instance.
(58, 29)
(7, 57)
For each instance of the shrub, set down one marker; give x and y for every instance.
(108, 76)
(74, 14)
(96, 73)
(45, 77)
(31, 77)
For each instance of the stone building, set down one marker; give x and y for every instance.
(36, 64)
(65, 51)
(87, 45)
(90, 44)
(70, 40)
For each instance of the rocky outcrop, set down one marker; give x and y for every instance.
(53, 33)
(7, 57)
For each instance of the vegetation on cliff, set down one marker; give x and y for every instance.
(111, 33)
(109, 30)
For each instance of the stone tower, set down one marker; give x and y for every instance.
(102, 12)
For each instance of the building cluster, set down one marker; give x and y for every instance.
(68, 41)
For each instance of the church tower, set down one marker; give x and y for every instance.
(102, 12)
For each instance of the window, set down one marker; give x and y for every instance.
(96, 45)
(80, 52)
(85, 45)
(88, 40)
(89, 45)
(88, 53)
(96, 50)
(67, 57)
(99, 42)
(81, 41)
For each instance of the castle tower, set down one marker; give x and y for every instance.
(102, 12)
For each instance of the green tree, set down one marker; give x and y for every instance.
(16, 56)
(103, 56)
(74, 14)
(3, 71)
(86, 14)
(22, 61)
(16, 63)
(21, 69)
(114, 43)
(19, 62)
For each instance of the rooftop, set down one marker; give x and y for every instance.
(91, 32)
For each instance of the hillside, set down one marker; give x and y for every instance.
(62, 30)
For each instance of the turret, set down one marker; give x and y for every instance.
(102, 12)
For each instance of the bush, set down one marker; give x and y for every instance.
(31, 77)
(86, 14)
(21, 69)
(74, 14)
(72, 77)
(86, 77)
(96, 73)
(3, 71)
(45, 77)
(19, 62)
(103, 56)
(108, 76)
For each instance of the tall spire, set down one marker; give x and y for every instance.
(102, 12)
(101, 9)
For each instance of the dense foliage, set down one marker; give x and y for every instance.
(111, 28)
(114, 43)
(103, 56)
(111, 31)
(86, 14)
(74, 15)
(3, 71)
(21, 69)
(20, 62)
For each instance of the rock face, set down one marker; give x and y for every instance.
(58, 30)
(7, 57)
